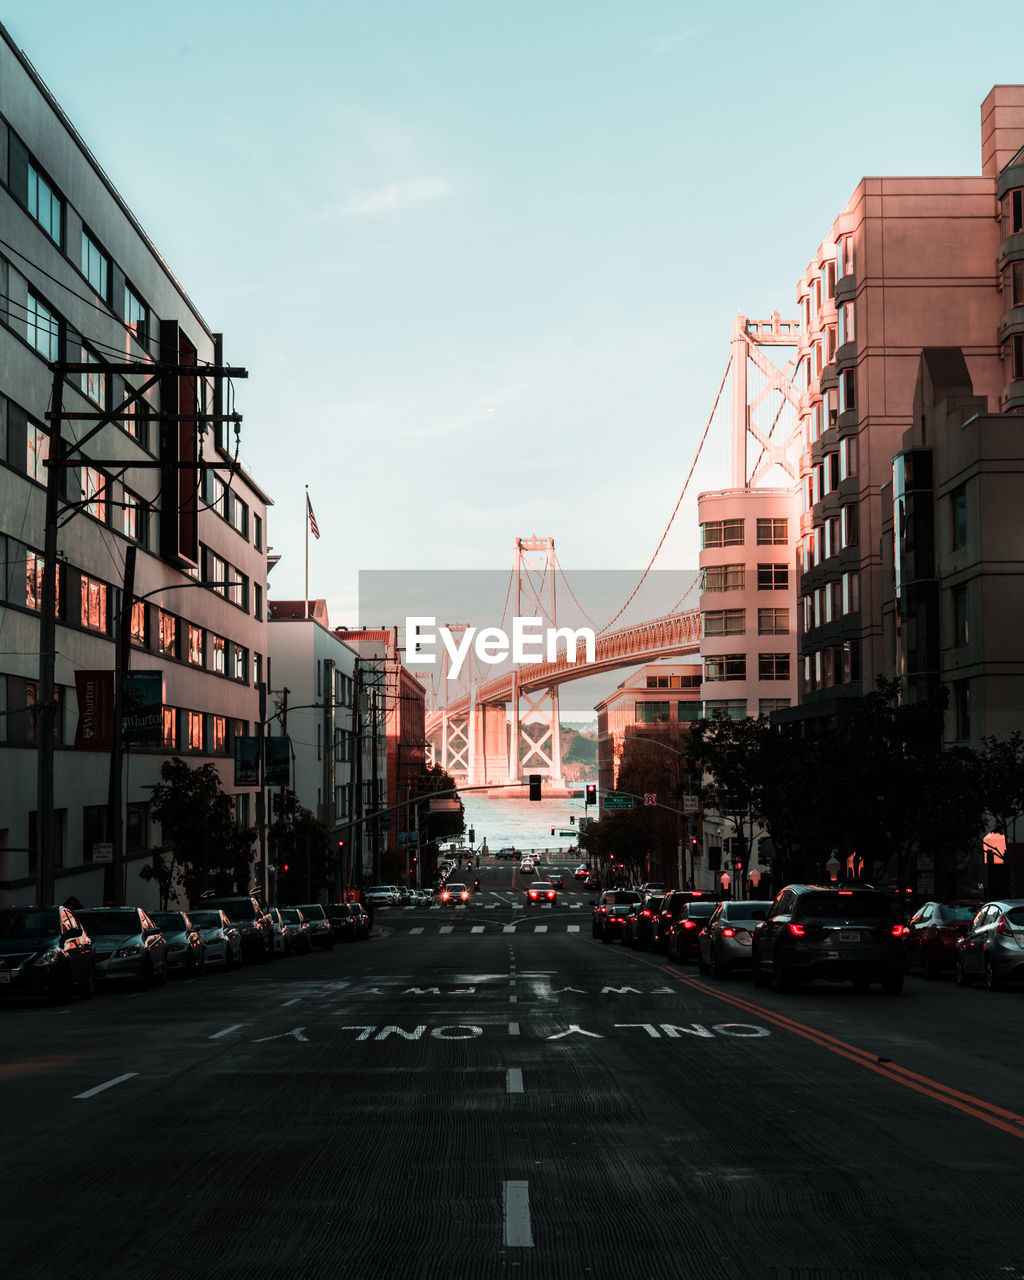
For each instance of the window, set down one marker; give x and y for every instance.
(723, 577)
(686, 711)
(773, 666)
(773, 622)
(37, 451)
(725, 708)
(135, 419)
(1013, 212)
(216, 492)
(43, 328)
(725, 666)
(34, 581)
(94, 828)
(218, 734)
(239, 515)
(134, 518)
(257, 532)
(851, 592)
(195, 645)
(772, 531)
(257, 608)
(765, 706)
(725, 622)
(94, 493)
(847, 457)
(95, 266)
(958, 514)
(962, 708)
(44, 204)
(657, 682)
(651, 712)
(136, 314)
(217, 644)
(167, 633)
(772, 577)
(831, 472)
(216, 571)
(721, 533)
(195, 731)
(238, 588)
(958, 602)
(136, 835)
(851, 533)
(169, 728)
(94, 383)
(834, 601)
(844, 256)
(847, 390)
(846, 324)
(94, 604)
(1013, 285)
(239, 663)
(139, 623)
(1013, 355)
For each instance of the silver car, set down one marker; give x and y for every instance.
(725, 941)
(126, 945)
(222, 943)
(993, 947)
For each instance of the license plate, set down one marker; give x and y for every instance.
(849, 935)
(5, 977)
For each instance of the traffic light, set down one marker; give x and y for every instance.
(341, 846)
(535, 786)
(572, 819)
(693, 842)
(591, 793)
(472, 835)
(284, 867)
(552, 831)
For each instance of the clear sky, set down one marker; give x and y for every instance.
(482, 259)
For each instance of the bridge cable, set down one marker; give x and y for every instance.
(675, 510)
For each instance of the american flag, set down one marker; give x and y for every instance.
(313, 526)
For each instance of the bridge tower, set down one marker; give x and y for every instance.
(457, 730)
(534, 570)
(769, 417)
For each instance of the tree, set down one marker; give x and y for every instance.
(1001, 769)
(204, 848)
(299, 840)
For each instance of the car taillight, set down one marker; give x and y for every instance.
(797, 930)
(551, 894)
(604, 910)
(646, 915)
(1003, 927)
(898, 930)
(689, 924)
(728, 933)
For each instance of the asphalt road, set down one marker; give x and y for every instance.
(510, 1099)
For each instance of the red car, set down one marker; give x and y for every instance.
(542, 891)
(932, 932)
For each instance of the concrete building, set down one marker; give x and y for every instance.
(909, 264)
(656, 702)
(81, 282)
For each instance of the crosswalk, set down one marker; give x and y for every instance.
(521, 926)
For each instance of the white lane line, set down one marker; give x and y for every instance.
(572, 928)
(516, 1213)
(89, 1093)
(477, 928)
(540, 928)
(508, 928)
(418, 929)
(294, 1000)
(513, 1028)
(446, 928)
(514, 1080)
(513, 999)
(236, 1026)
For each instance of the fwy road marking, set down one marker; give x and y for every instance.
(90, 1093)
(514, 1080)
(466, 1031)
(516, 1214)
(235, 1026)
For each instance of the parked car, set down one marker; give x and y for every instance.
(653, 886)
(671, 909)
(932, 933)
(815, 931)
(640, 924)
(127, 945)
(343, 925)
(683, 941)
(610, 898)
(362, 920)
(591, 882)
(556, 879)
(222, 943)
(725, 940)
(44, 951)
(613, 921)
(455, 895)
(184, 945)
(300, 935)
(380, 895)
(993, 946)
(319, 926)
(250, 917)
(543, 891)
(283, 945)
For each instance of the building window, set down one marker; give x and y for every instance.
(139, 623)
(136, 314)
(37, 451)
(773, 622)
(772, 531)
(95, 266)
(657, 682)
(169, 728)
(238, 589)
(725, 708)
(725, 622)
(686, 711)
(773, 666)
(136, 832)
(167, 633)
(257, 594)
(651, 712)
(1013, 354)
(94, 829)
(195, 645)
(1013, 285)
(723, 577)
(217, 645)
(725, 666)
(844, 256)
(847, 457)
(847, 390)
(135, 419)
(195, 731)
(257, 532)
(772, 577)
(34, 581)
(239, 516)
(962, 708)
(851, 592)
(94, 493)
(44, 204)
(216, 571)
(94, 604)
(958, 517)
(958, 601)
(1013, 212)
(42, 328)
(851, 532)
(765, 706)
(846, 324)
(721, 533)
(239, 663)
(93, 382)
(218, 734)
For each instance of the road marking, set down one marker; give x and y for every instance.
(446, 928)
(540, 928)
(89, 1093)
(419, 929)
(235, 1026)
(572, 928)
(513, 1028)
(508, 928)
(516, 1213)
(513, 999)
(294, 1000)
(477, 928)
(514, 1080)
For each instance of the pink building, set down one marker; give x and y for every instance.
(658, 702)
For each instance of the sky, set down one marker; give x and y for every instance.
(482, 260)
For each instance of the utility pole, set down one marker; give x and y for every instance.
(115, 791)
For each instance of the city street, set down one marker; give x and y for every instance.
(487, 1091)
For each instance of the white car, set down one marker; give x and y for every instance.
(222, 943)
(526, 866)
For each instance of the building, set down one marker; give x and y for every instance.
(656, 702)
(159, 534)
(909, 264)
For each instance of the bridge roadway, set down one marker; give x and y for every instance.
(671, 636)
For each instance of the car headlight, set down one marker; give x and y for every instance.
(47, 958)
(133, 950)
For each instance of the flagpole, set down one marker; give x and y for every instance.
(305, 597)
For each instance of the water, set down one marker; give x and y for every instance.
(524, 823)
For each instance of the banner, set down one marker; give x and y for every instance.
(277, 762)
(95, 690)
(247, 762)
(142, 708)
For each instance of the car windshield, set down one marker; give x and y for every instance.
(207, 920)
(110, 922)
(957, 914)
(237, 910)
(699, 910)
(28, 924)
(1016, 917)
(456, 888)
(313, 912)
(737, 911)
(170, 920)
(845, 906)
(542, 884)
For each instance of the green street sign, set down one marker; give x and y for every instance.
(613, 801)
(570, 832)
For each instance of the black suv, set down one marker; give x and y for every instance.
(819, 931)
(671, 909)
(250, 918)
(610, 897)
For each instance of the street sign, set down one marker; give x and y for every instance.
(103, 852)
(570, 832)
(689, 804)
(650, 798)
(613, 801)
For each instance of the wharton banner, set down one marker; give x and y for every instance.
(95, 691)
